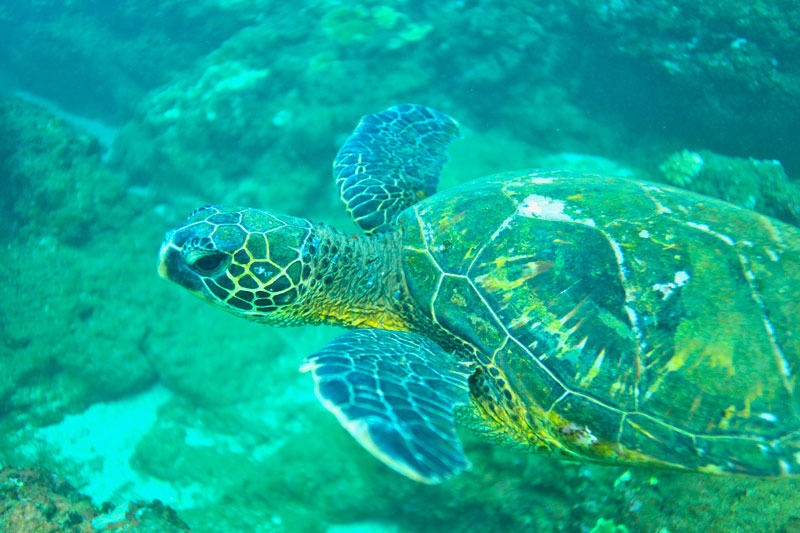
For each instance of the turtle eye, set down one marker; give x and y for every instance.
(207, 264)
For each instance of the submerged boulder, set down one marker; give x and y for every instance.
(760, 185)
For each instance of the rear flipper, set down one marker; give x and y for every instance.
(396, 393)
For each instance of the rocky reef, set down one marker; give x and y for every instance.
(62, 203)
(720, 74)
(750, 183)
(57, 187)
(98, 58)
(34, 500)
(134, 391)
(574, 75)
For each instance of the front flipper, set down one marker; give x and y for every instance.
(396, 393)
(392, 161)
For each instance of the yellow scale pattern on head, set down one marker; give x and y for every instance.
(254, 275)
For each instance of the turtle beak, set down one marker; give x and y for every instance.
(163, 254)
(171, 267)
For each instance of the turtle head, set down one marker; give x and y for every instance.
(245, 261)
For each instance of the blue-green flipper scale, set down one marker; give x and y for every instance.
(392, 161)
(396, 393)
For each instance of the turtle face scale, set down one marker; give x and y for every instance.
(245, 261)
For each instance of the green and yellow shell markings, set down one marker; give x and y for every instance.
(515, 272)
(630, 310)
(594, 370)
(502, 274)
(781, 362)
(648, 191)
(725, 357)
(259, 280)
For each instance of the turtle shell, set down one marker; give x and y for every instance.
(616, 320)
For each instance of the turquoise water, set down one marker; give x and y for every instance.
(119, 118)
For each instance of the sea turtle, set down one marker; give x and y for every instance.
(598, 318)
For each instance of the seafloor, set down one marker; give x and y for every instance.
(118, 118)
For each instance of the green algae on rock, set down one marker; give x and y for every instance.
(58, 186)
(33, 500)
(382, 24)
(760, 185)
(64, 207)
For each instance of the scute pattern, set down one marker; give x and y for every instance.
(635, 321)
(261, 277)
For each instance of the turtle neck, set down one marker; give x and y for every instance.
(353, 281)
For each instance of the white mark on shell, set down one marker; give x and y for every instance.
(783, 364)
(773, 255)
(769, 417)
(537, 206)
(617, 251)
(701, 227)
(632, 316)
(705, 229)
(666, 289)
(427, 232)
(506, 223)
(725, 238)
(681, 278)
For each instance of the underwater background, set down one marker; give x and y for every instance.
(117, 118)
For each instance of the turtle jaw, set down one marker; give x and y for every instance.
(163, 253)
